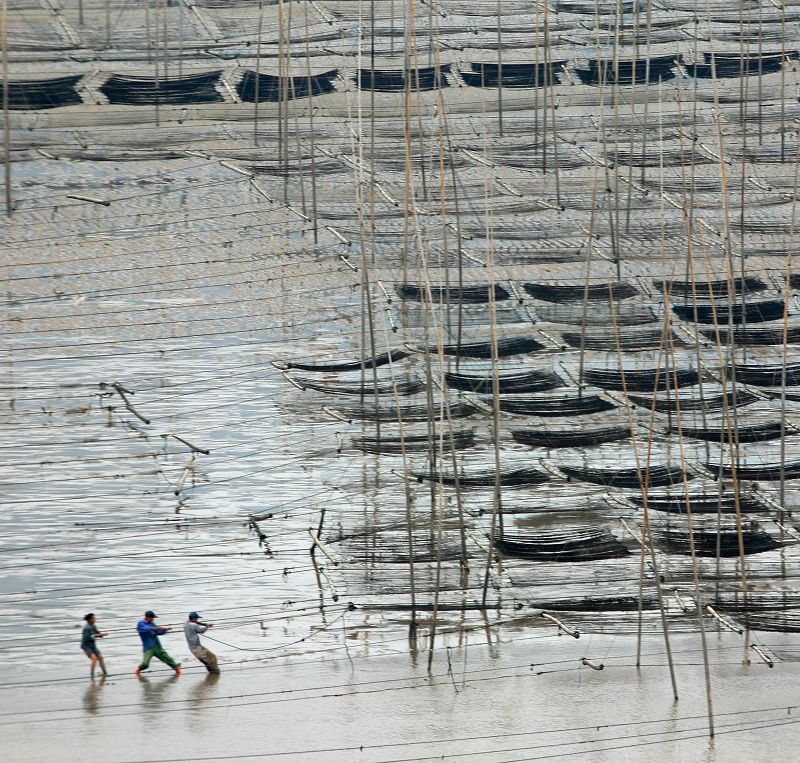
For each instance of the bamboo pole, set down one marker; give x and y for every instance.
(6, 115)
(165, 39)
(258, 69)
(689, 519)
(786, 297)
(410, 524)
(644, 480)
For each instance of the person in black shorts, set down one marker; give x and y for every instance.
(89, 646)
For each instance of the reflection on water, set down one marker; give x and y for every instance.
(153, 692)
(205, 689)
(91, 697)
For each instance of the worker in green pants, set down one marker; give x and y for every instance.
(149, 631)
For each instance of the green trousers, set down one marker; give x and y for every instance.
(160, 654)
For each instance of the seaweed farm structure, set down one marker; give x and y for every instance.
(478, 313)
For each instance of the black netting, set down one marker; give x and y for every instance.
(528, 381)
(540, 438)
(272, 88)
(192, 88)
(352, 365)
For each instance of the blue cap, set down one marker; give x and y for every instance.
(193, 615)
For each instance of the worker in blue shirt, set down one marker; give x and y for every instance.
(149, 631)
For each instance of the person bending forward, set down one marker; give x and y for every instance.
(192, 630)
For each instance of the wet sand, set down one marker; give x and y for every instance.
(526, 699)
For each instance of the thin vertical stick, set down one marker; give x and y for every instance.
(286, 30)
(258, 69)
(586, 282)
(310, 125)
(499, 70)
(459, 252)
(443, 208)
(550, 75)
(6, 115)
(281, 136)
(497, 500)
(157, 78)
(644, 480)
(786, 294)
(783, 80)
(166, 40)
(147, 31)
(731, 418)
(689, 520)
(410, 525)
(180, 40)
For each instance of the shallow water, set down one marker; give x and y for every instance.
(198, 275)
(521, 699)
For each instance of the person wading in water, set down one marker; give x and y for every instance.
(149, 632)
(89, 646)
(192, 630)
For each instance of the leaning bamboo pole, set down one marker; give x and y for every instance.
(587, 275)
(448, 322)
(550, 87)
(497, 499)
(689, 519)
(730, 417)
(311, 137)
(644, 479)
(409, 500)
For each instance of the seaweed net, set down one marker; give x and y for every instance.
(724, 434)
(754, 336)
(398, 81)
(579, 438)
(641, 381)
(709, 289)
(451, 294)
(410, 413)
(605, 71)
(628, 340)
(381, 359)
(458, 440)
(577, 293)
(505, 348)
(618, 315)
(655, 476)
(43, 93)
(273, 89)
(724, 543)
(562, 545)
(751, 312)
(556, 406)
(789, 470)
(526, 381)
(365, 390)
(702, 503)
(766, 375)
(683, 404)
(192, 88)
(509, 478)
(511, 75)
